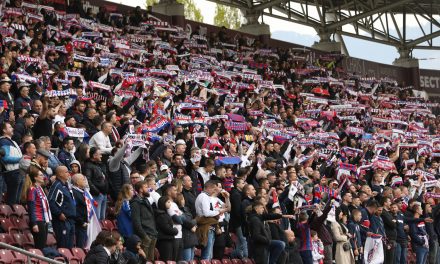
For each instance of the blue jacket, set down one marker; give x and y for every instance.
(125, 226)
(417, 232)
(402, 237)
(65, 158)
(13, 154)
(355, 231)
(61, 200)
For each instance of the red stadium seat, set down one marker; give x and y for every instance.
(111, 213)
(6, 256)
(159, 262)
(6, 238)
(22, 241)
(68, 254)
(8, 226)
(19, 258)
(21, 224)
(247, 261)
(236, 261)
(36, 252)
(79, 253)
(205, 261)
(5, 210)
(19, 210)
(171, 262)
(193, 261)
(107, 225)
(215, 261)
(226, 261)
(51, 241)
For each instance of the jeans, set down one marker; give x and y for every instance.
(241, 249)
(188, 254)
(421, 254)
(401, 253)
(276, 247)
(207, 251)
(433, 252)
(101, 199)
(14, 183)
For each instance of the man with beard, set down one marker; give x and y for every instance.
(43, 124)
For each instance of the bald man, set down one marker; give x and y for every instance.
(63, 209)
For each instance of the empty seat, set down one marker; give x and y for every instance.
(68, 254)
(79, 253)
(5, 210)
(8, 226)
(22, 241)
(36, 252)
(6, 238)
(205, 261)
(21, 224)
(159, 262)
(236, 261)
(192, 261)
(226, 261)
(19, 258)
(107, 225)
(215, 261)
(247, 261)
(6, 256)
(171, 262)
(19, 210)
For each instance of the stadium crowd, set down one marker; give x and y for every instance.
(197, 142)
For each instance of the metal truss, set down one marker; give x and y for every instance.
(382, 21)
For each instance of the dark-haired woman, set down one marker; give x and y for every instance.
(165, 229)
(38, 207)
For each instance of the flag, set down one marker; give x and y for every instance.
(94, 227)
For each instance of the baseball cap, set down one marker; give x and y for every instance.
(163, 167)
(43, 153)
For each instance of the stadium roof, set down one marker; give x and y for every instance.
(383, 21)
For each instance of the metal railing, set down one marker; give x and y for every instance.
(29, 255)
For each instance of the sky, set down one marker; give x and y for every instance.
(303, 35)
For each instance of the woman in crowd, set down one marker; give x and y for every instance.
(123, 212)
(38, 208)
(341, 236)
(165, 229)
(189, 227)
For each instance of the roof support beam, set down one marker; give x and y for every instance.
(268, 4)
(381, 9)
(425, 38)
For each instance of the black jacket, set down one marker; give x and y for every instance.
(389, 224)
(81, 207)
(236, 210)
(189, 238)
(165, 229)
(260, 233)
(96, 174)
(190, 200)
(260, 236)
(142, 216)
(97, 255)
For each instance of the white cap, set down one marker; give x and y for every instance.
(180, 142)
(163, 167)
